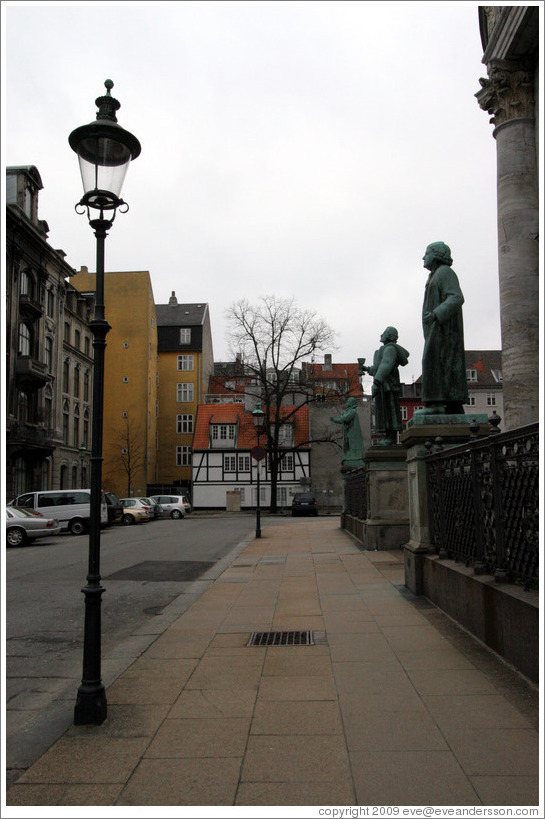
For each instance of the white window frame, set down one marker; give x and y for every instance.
(472, 399)
(471, 375)
(183, 456)
(185, 335)
(230, 463)
(490, 399)
(184, 424)
(186, 362)
(185, 392)
(243, 463)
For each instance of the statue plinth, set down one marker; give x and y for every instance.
(387, 523)
(453, 430)
(443, 420)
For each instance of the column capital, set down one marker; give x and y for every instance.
(508, 93)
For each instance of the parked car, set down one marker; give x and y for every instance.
(134, 511)
(115, 507)
(153, 507)
(71, 507)
(172, 506)
(23, 525)
(304, 503)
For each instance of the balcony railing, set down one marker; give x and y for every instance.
(355, 493)
(483, 503)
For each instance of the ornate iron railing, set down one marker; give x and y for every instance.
(355, 493)
(483, 504)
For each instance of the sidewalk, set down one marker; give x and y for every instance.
(393, 705)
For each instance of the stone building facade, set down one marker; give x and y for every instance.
(48, 352)
(510, 94)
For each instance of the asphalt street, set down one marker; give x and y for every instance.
(151, 573)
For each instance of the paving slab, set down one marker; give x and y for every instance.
(393, 705)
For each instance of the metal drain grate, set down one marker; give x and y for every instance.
(281, 638)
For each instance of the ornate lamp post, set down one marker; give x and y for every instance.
(104, 151)
(83, 461)
(259, 420)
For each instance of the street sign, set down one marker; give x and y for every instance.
(258, 453)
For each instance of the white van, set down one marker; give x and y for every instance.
(71, 507)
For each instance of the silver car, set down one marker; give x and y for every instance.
(24, 525)
(172, 506)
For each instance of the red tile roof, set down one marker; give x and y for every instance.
(344, 374)
(247, 436)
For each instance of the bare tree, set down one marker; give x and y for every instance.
(128, 451)
(273, 338)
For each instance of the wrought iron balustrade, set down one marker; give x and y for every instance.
(355, 493)
(483, 503)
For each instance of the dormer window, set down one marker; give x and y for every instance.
(471, 375)
(185, 335)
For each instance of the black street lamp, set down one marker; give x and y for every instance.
(259, 420)
(104, 151)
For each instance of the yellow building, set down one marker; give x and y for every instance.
(186, 361)
(130, 438)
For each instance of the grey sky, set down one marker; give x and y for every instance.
(303, 149)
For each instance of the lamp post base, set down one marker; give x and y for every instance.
(91, 707)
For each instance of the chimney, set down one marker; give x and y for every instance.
(173, 299)
(328, 361)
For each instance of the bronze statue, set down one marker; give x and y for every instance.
(352, 437)
(386, 385)
(444, 384)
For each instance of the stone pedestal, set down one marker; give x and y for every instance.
(387, 522)
(453, 430)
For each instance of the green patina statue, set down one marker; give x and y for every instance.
(386, 385)
(352, 437)
(444, 384)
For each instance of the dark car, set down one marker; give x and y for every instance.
(304, 503)
(115, 507)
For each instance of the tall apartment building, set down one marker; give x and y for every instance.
(185, 364)
(48, 352)
(130, 438)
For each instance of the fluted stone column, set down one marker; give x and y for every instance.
(508, 95)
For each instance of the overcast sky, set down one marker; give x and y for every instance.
(303, 149)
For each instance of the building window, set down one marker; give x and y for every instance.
(65, 422)
(48, 353)
(471, 375)
(24, 341)
(230, 463)
(50, 303)
(184, 392)
(86, 386)
(286, 462)
(67, 332)
(25, 283)
(185, 362)
(183, 456)
(497, 375)
(223, 432)
(87, 345)
(185, 335)
(77, 339)
(184, 424)
(65, 376)
(76, 431)
(76, 382)
(85, 440)
(243, 463)
(404, 413)
(491, 399)
(471, 400)
(22, 406)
